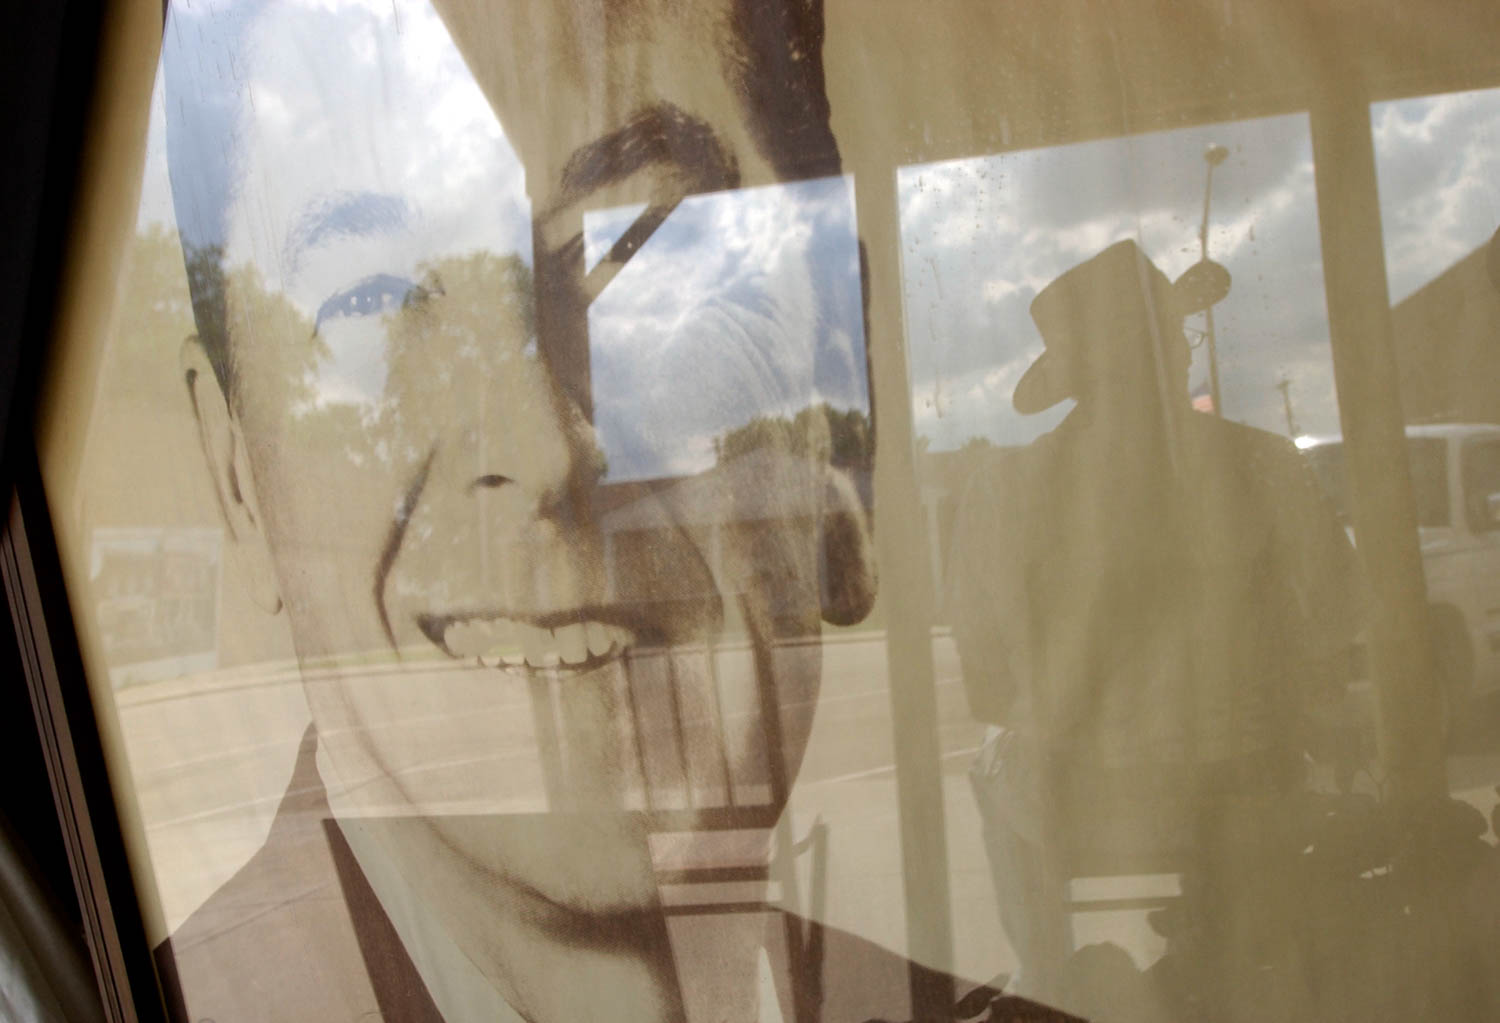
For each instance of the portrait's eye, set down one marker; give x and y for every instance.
(381, 293)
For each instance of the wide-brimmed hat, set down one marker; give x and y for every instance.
(1112, 295)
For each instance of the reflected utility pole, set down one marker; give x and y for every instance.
(1213, 155)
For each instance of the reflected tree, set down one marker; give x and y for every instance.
(843, 437)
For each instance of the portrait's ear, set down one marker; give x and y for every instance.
(229, 466)
(846, 553)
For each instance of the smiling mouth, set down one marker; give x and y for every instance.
(573, 646)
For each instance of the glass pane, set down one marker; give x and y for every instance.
(780, 510)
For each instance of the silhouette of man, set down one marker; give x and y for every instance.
(1142, 600)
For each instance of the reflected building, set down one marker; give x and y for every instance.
(157, 598)
(1447, 336)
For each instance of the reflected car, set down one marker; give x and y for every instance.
(1455, 474)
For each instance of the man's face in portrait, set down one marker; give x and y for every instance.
(502, 297)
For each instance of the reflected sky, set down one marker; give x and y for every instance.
(982, 236)
(409, 165)
(352, 112)
(709, 324)
(1438, 163)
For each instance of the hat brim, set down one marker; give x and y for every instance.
(1110, 293)
(1043, 385)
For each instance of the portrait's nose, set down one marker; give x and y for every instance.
(533, 444)
(501, 512)
(501, 517)
(561, 472)
(518, 434)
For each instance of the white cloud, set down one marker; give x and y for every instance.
(1438, 162)
(731, 310)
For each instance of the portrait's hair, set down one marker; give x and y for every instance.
(778, 54)
(774, 59)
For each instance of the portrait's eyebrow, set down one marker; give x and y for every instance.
(343, 214)
(659, 135)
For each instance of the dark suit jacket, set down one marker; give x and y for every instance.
(298, 934)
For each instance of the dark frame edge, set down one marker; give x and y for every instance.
(76, 765)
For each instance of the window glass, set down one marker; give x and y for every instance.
(785, 510)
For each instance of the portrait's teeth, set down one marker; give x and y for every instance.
(484, 634)
(572, 645)
(459, 639)
(503, 634)
(504, 642)
(536, 645)
(598, 638)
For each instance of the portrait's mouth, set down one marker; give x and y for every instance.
(560, 644)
